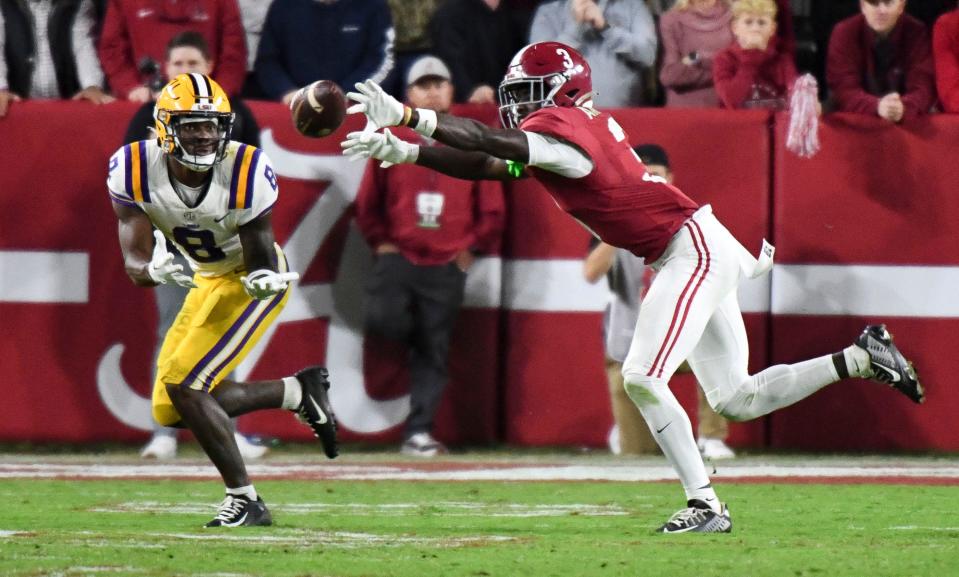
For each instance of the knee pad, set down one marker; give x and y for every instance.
(643, 390)
(737, 406)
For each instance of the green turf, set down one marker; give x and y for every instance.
(474, 529)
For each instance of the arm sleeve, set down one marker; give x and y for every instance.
(377, 62)
(265, 190)
(920, 76)
(88, 64)
(371, 206)
(946, 52)
(231, 58)
(555, 155)
(843, 74)
(116, 52)
(271, 74)
(490, 216)
(636, 42)
(674, 74)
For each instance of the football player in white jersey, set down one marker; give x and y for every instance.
(212, 198)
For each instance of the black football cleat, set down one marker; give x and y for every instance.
(315, 409)
(240, 511)
(888, 365)
(698, 517)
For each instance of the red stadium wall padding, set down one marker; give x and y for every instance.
(76, 351)
(877, 197)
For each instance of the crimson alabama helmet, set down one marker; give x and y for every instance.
(540, 75)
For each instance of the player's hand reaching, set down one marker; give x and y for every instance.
(161, 268)
(380, 108)
(381, 146)
(263, 284)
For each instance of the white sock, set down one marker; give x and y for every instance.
(670, 426)
(777, 387)
(292, 393)
(247, 491)
(858, 362)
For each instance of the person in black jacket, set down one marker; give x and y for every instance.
(48, 51)
(477, 39)
(186, 52)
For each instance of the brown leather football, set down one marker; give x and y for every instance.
(318, 109)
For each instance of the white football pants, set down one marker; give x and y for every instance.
(691, 313)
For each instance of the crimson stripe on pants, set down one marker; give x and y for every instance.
(705, 249)
(679, 305)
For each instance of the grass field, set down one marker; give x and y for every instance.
(364, 516)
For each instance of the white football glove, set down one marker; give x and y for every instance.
(380, 108)
(263, 284)
(161, 268)
(381, 146)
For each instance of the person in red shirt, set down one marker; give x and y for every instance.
(583, 158)
(879, 63)
(424, 228)
(754, 71)
(136, 32)
(945, 49)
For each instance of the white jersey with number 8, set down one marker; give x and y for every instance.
(243, 187)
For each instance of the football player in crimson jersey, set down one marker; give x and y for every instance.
(212, 197)
(583, 158)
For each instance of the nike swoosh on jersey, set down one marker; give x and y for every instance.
(322, 420)
(221, 218)
(664, 428)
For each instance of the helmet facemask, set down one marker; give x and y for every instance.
(184, 147)
(520, 97)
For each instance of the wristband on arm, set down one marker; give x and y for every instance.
(422, 120)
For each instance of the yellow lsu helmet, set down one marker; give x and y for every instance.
(193, 97)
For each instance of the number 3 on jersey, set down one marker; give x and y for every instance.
(620, 135)
(200, 244)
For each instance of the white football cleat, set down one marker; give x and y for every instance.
(422, 445)
(160, 447)
(249, 451)
(715, 449)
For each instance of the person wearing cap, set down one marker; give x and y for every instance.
(628, 280)
(424, 229)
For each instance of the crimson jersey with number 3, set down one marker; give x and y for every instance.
(618, 200)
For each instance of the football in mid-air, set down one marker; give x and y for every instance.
(318, 109)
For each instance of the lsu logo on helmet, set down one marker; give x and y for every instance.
(188, 98)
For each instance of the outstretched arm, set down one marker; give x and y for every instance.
(461, 164)
(384, 111)
(468, 134)
(385, 146)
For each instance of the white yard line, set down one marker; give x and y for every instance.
(447, 508)
(457, 472)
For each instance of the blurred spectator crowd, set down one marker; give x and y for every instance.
(895, 59)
